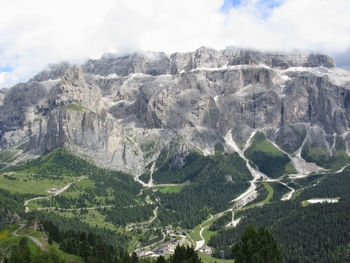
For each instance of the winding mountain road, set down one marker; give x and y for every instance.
(155, 243)
(35, 240)
(74, 209)
(201, 243)
(155, 215)
(60, 191)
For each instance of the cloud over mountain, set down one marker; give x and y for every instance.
(35, 33)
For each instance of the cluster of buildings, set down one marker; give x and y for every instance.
(205, 250)
(165, 248)
(168, 247)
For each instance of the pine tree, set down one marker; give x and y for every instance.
(257, 247)
(161, 259)
(134, 258)
(185, 254)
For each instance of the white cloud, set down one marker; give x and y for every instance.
(35, 33)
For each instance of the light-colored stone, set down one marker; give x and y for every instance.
(123, 111)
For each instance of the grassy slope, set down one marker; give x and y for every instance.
(278, 191)
(171, 188)
(7, 240)
(57, 169)
(55, 165)
(79, 188)
(321, 156)
(195, 233)
(24, 183)
(101, 188)
(93, 218)
(270, 194)
(208, 259)
(207, 234)
(270, 160)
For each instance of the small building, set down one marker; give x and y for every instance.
(170, 231)
(53, 190)
(149, 254)
(206, 250)
(159, 251)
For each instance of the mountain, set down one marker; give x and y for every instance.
(147, 151)
(122, 111)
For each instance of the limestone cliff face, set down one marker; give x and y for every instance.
(123, 111)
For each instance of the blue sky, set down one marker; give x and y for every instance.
(264, 7)
(228, 4)
(264, 10)
(35, 33)
(6, 69)
(236, 3)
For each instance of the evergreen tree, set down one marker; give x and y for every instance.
(257, 247)
(134, 258)
(161, 259)
(185, 255)
(125, 258)
(21, 253)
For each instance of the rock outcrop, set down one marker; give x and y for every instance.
(122, 111)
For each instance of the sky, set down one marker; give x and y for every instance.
(36, 33)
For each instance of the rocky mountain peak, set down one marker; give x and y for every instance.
(152, 63)
(74, 75)
(74, 89)
(52, 72)
(159, 63)
(122, 111)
